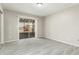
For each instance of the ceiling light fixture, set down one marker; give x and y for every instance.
(39, 4)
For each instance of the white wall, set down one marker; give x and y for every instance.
(63, 26)
(1, 25)
(11, 25)
(40, 27)
(1, 8)
(0, 28)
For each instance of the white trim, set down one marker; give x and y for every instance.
(62, 41)
(2, 29)
(18, 28)
(10, 41)
(28, 18)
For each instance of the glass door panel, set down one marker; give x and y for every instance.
(26, 28)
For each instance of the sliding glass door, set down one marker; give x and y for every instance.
(26, 28)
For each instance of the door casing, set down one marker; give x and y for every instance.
(35, 26)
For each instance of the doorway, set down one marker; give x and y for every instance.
(26, 28)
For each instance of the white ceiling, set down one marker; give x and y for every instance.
(32, 8)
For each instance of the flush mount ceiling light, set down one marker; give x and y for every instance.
(39, 4)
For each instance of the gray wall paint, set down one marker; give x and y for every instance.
(11, 25)
(63, 26)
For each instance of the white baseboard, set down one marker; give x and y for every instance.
(69, 43)
(1, 42)
(10, 41)
(16, 40)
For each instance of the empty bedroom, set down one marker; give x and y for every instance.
(39, 28)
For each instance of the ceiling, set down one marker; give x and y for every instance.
(31, 8)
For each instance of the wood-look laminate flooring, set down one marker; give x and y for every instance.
(38, 46)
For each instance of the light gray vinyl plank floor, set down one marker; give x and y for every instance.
(38, 46)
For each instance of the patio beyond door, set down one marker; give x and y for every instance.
(26, 28)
